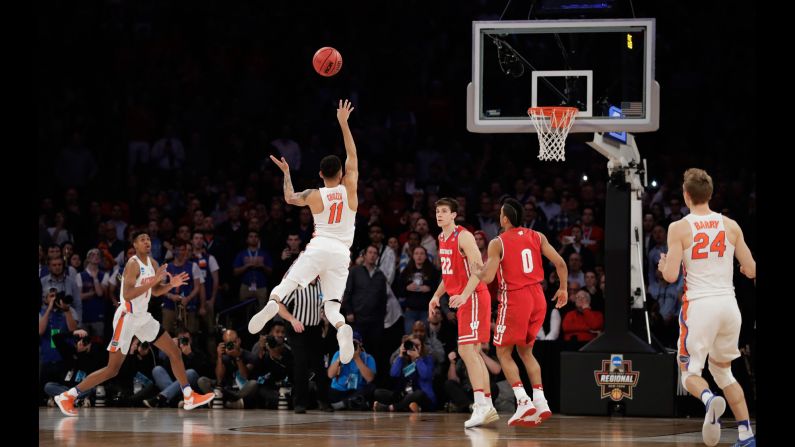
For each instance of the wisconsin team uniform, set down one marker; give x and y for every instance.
(328, 253)
(522, 305)
(709, 322)
(132, 317)
(474, 317)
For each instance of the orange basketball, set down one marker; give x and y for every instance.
(327, 61)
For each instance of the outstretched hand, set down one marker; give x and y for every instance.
(179, 280)
(344, 110)
(281, 164)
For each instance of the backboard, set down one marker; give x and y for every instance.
(605, 68)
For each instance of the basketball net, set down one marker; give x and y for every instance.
(552, 125)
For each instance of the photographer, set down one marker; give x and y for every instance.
(55, 317)
(80, 360)
(459, 388)
(135, 381)
(231, 372)
(352, 383)
(413, 371)
(58, 280)
(196, 364)
(271, 369)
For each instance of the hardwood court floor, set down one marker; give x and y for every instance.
(127, 427)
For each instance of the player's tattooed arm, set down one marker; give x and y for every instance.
(290, 196)
(298, 198)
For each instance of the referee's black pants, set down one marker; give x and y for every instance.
(307, 358)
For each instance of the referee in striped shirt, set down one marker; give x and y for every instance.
(302, 310)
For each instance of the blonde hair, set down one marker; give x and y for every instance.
(698, 185)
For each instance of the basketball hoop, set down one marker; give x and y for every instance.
(552, 125)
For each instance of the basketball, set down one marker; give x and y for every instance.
(327, 61)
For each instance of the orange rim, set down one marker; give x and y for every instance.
(559, 116)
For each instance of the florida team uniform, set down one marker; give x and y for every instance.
(522, 305)
(328, 253)
(474, 317)
(709, 322)
(132, 317)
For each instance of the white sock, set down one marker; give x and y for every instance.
(745, 431)
(519, 392)
(72, 392)
(488, 399)
(186, 390)
(480, 398)
(705, 396)
(538, 393)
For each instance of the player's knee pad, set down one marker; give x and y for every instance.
(723, 376)
(332, 310)
(685, 375)
(284, 289)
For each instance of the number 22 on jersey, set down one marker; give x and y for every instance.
(447, 266)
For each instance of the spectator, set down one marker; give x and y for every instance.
(252, 266)
(593, 236)
(550, 206)
(80, 360)
(231, 372)
(180, 305)
(407, 252)
(575, 270)
(59, 233)
(416, 286)
(209, 280)
(534, 221)
(592, 287)
(58, 280)
(426, 240)
(352, 383)
(412, 370)
(583, 324)
(197, 364)
(271, 367)
(56, 316)
(364, 301)
(92, 284)
(458, 387)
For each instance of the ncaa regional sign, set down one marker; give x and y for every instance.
(616, 378)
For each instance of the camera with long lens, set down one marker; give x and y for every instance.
(408, 345)
(61, 298)
(145, 345)
(230, 346)
(184, 340)
(272, 342)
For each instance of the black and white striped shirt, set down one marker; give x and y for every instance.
(305, 304)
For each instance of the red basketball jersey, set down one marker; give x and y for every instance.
(521, 264)
(455, 268)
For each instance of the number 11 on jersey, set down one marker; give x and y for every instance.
(336, 213)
